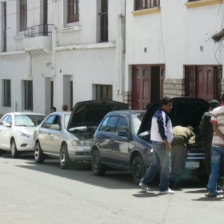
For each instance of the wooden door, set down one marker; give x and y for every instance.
(141, 87)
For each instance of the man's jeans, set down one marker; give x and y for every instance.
(162, 160)
(217, 154)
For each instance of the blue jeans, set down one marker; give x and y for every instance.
(162, 161)
(217, 154)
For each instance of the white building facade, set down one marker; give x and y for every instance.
(170, 50)
(56, 52)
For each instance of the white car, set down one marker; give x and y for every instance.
(16, 131)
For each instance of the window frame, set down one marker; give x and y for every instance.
(22, 15)
(146, 4)
(72, 16)
(6, 92)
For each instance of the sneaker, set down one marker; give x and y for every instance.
(168, 191)
(143, 186)
(210, 195)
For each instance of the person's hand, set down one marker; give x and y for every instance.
(168, 146)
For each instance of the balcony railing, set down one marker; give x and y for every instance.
(39, 30)
(146, 4)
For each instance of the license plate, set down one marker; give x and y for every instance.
(192, 165)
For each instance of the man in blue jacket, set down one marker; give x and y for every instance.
(161, 137)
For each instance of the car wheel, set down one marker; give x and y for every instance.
(38, 153)
(14, 152)
(65, 161)
(138, 169)
(97, 167)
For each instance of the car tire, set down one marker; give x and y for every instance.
(97, 167)
(14, 152)
(138, 169)
(65, 161)
(38, 153)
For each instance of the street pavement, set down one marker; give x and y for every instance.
(43, 193)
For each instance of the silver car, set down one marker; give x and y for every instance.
(53, 140)
(69, 137)
(16, 131)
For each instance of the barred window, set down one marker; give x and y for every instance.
(145, 4)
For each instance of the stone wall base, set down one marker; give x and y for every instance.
(174, 87)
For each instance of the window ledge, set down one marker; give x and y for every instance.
(202, 3)
(19, 37)
(146, 11)
(8, 53)
(70, 29)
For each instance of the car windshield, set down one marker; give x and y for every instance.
(67, 116)
(136, 121)
(28, 120)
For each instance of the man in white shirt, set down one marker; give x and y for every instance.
(217, 150)
(161, 137)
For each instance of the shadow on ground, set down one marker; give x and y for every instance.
(113, 179)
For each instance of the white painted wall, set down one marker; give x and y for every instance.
(173, 37)
(73, 50)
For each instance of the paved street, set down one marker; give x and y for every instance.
(43, 193)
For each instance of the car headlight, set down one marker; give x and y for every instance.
(22, 134)
(76, 143)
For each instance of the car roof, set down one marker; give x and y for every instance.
(126, 112)
(23, 113)
(61, 113)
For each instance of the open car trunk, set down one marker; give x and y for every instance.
(186, 112)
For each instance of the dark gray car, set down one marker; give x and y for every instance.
(118, 145)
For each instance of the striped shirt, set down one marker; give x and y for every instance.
(218, 117)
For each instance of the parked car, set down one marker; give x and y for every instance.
(118, 145)
(121, 142)
(16, 131)
(68, 136)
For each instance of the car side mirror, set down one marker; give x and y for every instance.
(123, 133)
(55, 127)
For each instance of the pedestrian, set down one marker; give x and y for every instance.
(182, 137)
(206, 134)
(217, 149)
(53, 109)
(161, 137)
(65, 107)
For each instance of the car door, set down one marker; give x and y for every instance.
(105, 138)
(120, 142)
(44, 134)
(4, 132)
(55, 135)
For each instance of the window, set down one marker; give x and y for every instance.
(53, 119)
(23, 14)
(122, 124)
(4, 26)
(7, 93)
(103, 92)
(28, 95)
(104, 21)
(111, 124)
(73, 11)
(145, 4)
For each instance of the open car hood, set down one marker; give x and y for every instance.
(90, 113)
(186, 112)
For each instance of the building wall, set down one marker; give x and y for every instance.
(175, 36)
(73, 50)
